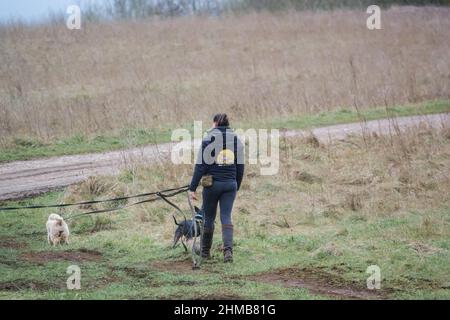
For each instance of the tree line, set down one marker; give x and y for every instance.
(136, 9)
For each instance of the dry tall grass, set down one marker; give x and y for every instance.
(365, 178)
(55, 82)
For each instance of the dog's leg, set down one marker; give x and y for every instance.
(185, 248)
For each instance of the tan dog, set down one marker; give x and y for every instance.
(57, 230)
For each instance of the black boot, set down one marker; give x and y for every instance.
(227, 237)
(207, 238)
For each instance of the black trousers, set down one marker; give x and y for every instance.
(221, 193)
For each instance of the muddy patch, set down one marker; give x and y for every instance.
(8, 243)
(102, 282)
(180, 266)
(318, 282)
(142, 272)
(42, 257)
(225, 296)
(137, 272)
(9, 263)
(19, 285)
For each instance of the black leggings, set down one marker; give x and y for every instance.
(222, 193)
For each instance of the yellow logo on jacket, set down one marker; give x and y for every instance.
(225, 157)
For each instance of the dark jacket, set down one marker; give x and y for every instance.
(222, 156)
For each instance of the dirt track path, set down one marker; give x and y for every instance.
(22, 179)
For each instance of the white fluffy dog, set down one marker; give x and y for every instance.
(57, 230)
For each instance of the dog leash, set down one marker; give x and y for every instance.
(63, 205)
(160, 196)
(195, 262)
(164, 197)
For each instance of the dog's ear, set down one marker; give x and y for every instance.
(197, 210)
(174, 219)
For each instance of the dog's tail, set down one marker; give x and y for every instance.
(174, 219)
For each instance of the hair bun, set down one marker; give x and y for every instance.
(222, 120)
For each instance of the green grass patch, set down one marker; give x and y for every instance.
(134, 265)
(346, 115)
(25, 149)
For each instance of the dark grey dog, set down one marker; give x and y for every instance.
(186, 231)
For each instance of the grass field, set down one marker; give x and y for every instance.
(108, 78)
(331, 212)
(309, 232)
(25, 149)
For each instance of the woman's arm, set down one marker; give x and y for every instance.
(240, 159)
(198, 174)
(239, 174)
(199, 170)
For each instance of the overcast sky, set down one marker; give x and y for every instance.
(34, 10)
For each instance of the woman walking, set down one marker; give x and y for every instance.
(220, 166)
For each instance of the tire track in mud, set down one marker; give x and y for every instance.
(21, 179)
(319, 282)
(314, 280)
